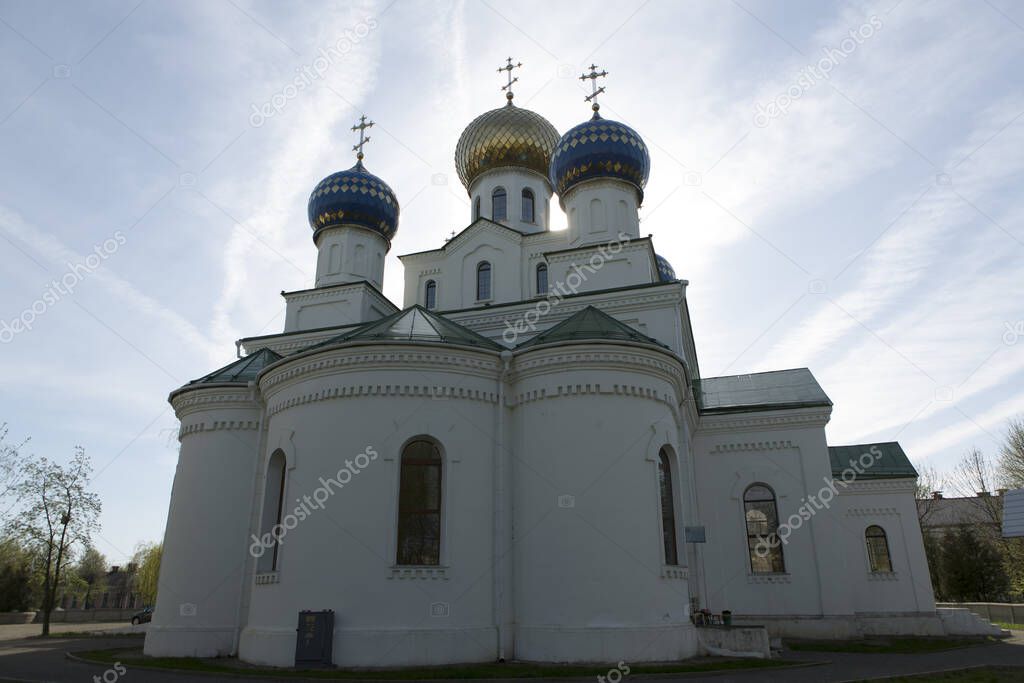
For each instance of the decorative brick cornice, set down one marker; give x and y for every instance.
(773, 419)
(769, 578)
(215, 425)
(419, 573)
(784, 444)
(437, 392)
(877, 486)
(871, 512)
(190, 400)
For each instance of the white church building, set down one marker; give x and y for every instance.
(523, 460)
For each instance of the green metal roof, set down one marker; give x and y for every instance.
(883, 461)
(242, 371)
(589, 323)
(415, 324)
(776, 390)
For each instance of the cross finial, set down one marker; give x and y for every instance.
(508, 69)
(592, 77)
(363, 138)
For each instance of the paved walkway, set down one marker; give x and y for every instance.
(43, 661)
(19, 631)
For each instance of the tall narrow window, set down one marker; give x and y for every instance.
(273, 506)
(430, 295)
(668, 509)
(483, 281)
(762, 519)
(476, 207)
(499, 204)
(419, 505)
(542, 278)
(878, 549)
(528, 205)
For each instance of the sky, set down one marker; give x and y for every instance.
(840, 183)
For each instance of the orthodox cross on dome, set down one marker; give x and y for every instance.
(592, 77)
(508, 69)
(363, 138)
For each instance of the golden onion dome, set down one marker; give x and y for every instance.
(508, 136)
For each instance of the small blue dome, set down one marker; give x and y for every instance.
(600, 148)
(666, 273)
(354, 197)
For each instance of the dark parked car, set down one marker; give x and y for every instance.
(143, 617)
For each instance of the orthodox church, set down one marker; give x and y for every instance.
(523, 461)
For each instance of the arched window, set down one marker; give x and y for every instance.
(542, 278)
(499, 204)
(430, 295)
(273, 506)
(476, 207)
(419, 504)
(483, 281)
(762, 519)
(878, 549)
(668, 509)
(527, 205)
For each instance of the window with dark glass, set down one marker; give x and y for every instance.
(542, 278)
(668, 510)
(273, 507)
(430, 295)
(528, 206)
(476, 208)
(483, 281)
(499, 204)
(419, 505)
(878, 549)
(762, 519)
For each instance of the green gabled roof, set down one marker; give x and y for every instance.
(887, 461)
(590, 323)
(242, 371)
(776, 390)
(415, 324)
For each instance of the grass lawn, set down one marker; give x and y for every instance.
(134, 658)
(895, 645)
(1012, 627)
(987, 674)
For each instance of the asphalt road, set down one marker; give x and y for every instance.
(36, 660)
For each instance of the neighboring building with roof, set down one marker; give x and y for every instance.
(523, 461)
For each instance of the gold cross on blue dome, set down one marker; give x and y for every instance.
(363, 138)
(592, 77)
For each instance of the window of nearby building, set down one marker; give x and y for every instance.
(878, 549)
(499, 204)
(419, 504)
(476, 207)
(483, 281)
(762, 519)
(542, 278)
(668, 510)
(430, 295)
(527, 205)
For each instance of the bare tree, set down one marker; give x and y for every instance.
(60, 515)
(1011, 456)
(928, 483)
(12, 464)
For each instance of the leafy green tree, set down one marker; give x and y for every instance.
(60, 515)
(91, 570)
(147, 557)
(18, 579)
(972, 567)
(1011, 455)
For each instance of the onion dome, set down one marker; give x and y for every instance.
(505, 137)
(666, 273)
(354, 197)
(600, 148)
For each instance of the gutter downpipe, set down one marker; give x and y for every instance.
(500, 521)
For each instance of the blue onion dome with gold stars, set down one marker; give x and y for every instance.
(666, 273)
(600, 148)
(354, 197)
